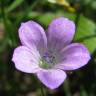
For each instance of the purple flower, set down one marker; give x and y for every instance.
(48, 55)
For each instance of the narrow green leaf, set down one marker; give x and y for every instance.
(14, 5)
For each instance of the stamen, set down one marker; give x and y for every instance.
(47, 61)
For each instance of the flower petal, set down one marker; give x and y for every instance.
(73, 57)
(60, 33)
(26, 60)
(52, 78)
(31, 33)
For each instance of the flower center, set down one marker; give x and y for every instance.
(47, 61)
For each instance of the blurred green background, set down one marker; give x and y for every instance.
(81, 82)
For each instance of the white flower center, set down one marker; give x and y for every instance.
(48, 60)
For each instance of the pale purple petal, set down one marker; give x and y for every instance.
(73, 57)
(26, 60)
(31, 33)
(52, 78)
(60, 33)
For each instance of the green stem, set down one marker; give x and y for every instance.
(28, 10)
(3, 13)
(10, 37)
(42, 90)
(66, 88)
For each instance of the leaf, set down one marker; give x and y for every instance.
(46, 18)
(90, 44)
(93, 5)
(86, 33)
(14, 5)
(86, 2)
